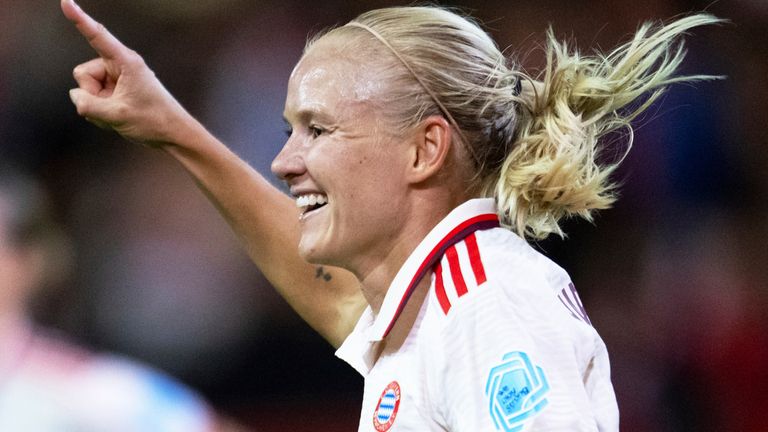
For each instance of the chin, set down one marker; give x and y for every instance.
(315, 254)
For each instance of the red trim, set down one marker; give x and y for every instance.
(474, 258)
(458, 278)
(442, 298)
(483, 221)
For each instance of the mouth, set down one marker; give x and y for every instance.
(310, 203)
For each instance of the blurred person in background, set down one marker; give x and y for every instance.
(47, 383)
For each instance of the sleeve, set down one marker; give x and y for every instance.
(507, 363)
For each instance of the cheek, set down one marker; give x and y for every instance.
(378, 193)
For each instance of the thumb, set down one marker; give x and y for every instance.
(95, 109)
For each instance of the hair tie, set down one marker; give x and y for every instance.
(518, 87)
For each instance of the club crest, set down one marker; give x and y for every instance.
(516, 390)
(386, 410)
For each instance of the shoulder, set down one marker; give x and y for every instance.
(499, 326)
(498, 322)
(513, 263)
(497, 263)
(494, 282)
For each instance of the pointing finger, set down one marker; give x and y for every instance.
(106, 45)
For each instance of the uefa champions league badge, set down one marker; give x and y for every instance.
(386, 410)
(516, 390)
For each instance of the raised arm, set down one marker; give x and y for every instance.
(117, 90)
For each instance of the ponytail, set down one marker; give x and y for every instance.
(554, 168)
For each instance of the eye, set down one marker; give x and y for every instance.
(316, 131)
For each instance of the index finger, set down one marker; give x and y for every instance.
(106, 45)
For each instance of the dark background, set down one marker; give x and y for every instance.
(674, 277)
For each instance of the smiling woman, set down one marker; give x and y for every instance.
(338, 153)
(419, 159)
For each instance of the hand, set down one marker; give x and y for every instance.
(118, 91)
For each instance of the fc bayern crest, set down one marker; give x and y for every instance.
(386, 409)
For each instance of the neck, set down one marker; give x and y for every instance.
(381, 269)
(375, 280)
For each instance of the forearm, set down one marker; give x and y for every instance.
(266, 222)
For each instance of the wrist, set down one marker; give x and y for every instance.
(180, 131)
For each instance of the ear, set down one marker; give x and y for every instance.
(430, 148)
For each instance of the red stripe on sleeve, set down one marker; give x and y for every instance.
(474, 258)
(440, 289)
(458, 278)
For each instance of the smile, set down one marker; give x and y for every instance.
(310, 202)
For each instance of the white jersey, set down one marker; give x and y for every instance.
(501, 341)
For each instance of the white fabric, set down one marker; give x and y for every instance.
(526, 310)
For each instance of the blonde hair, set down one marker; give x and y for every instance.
(535, 142)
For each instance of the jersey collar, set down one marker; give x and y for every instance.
(473, 215)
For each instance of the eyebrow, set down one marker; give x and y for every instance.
(307, 114)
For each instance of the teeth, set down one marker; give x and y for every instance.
(310, 200)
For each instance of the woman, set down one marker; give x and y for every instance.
(411, 142)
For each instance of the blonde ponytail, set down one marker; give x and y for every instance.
(554, 168)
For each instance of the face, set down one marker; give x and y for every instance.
(343, 168)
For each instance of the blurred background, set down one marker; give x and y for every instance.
(674, 277)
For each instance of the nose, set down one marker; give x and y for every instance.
(288, 163)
